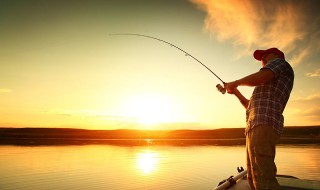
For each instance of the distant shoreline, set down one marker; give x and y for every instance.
(68, 136)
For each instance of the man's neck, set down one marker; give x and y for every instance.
(272, 59)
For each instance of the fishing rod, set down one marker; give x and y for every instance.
(219, 87)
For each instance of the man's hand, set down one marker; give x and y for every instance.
(231, 87)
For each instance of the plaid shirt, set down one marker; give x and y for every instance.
(268, 100)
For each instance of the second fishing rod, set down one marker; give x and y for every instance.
(219, 87)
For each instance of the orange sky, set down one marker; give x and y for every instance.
(60, 68)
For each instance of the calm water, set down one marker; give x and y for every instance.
(155, 167)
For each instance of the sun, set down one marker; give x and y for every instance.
(151, 109)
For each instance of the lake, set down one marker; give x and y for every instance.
(111, 167)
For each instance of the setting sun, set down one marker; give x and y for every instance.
(149, 109)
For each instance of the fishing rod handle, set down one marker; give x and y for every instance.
(221, 89)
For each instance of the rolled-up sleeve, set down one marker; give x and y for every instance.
(277, 67)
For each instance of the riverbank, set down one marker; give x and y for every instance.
(66, 136)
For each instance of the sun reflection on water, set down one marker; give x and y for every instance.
(147, 161)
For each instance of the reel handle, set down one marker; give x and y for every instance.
(221, 89)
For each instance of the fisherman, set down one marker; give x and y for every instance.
(273, 84)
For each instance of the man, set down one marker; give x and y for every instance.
(273, 85)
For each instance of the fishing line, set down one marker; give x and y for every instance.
(220, 88)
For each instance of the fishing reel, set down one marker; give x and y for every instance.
(221, 89)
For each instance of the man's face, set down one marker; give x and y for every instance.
(266, 57)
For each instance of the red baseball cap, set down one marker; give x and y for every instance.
(258, 54)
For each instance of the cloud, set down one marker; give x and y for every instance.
(312, 112)
(305, 109)
(90, 114)
(311, 97)
(314, 74)
(5, 90)
(301, 56)
(292, 26)
(311, 115)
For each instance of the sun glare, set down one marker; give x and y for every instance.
(150, 109)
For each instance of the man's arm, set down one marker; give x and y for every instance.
(260, 77)
(244, 101)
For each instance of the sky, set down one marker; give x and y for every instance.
(60, 67)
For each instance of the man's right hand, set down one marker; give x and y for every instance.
(231, 87)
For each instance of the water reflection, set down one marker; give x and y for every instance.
(147, 161)
(97, 167)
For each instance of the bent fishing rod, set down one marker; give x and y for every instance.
(219, 87)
